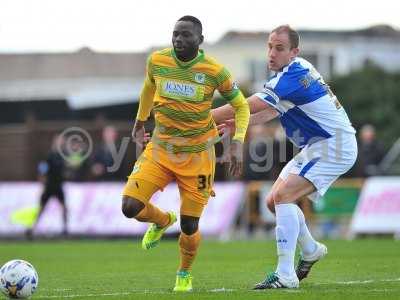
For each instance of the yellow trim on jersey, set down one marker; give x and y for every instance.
(242, 116)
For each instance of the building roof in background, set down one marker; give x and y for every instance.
(80, 93)
(378, 31)
(80, 64)
(84, 78)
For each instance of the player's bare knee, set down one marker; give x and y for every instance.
(280, 196)
(131, 206)
(189, 225)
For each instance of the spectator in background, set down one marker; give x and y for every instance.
(76, 164)
(371, 152)
(51, 174)
(103, 158)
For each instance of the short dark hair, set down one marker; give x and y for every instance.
(196, 22)
(293, 35)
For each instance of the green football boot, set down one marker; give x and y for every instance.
(183, 282)
(154, 233)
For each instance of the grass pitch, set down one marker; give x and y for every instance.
(362, 269)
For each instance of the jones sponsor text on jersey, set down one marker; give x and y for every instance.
(181, 90)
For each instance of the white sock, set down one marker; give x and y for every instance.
(287, 232)
(306, 242)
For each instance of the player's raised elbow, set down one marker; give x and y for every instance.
(256, 104)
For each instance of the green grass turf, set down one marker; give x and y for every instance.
(362, 269)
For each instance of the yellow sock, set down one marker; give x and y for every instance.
(153, 214)
(188, 249)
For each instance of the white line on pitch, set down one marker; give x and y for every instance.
(358, 281)
(217, 290)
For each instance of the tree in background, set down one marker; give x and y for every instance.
(371, 96)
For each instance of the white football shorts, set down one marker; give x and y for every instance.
(323, 162)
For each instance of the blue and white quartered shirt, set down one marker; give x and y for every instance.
(308, 110)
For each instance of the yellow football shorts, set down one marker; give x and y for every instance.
(193, 172)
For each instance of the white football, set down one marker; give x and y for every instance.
(18, 279)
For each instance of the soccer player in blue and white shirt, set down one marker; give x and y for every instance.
(314, 121)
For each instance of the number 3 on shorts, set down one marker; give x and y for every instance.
(203, 182)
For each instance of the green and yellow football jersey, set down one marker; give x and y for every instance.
(183, 97)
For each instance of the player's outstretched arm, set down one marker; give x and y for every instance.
(227, 112)
(261, 112)
(257, 105)
(222, 113)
